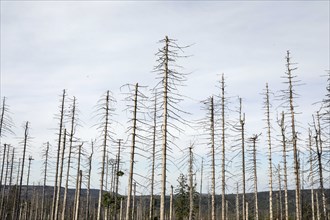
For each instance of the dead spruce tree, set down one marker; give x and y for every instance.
(153, 135)
(311, 172)
(105, 111)
(170, 81)
(281, 123)
(19, 195)
(88, 197)
(269, 140)
(239, 148)
(208, 125)
(253, 141)
(59, 140)
(6, 122)
(45, 155)
(73, 121)
(223, 150)
(288, 96)
(319, 152)
(138, 109)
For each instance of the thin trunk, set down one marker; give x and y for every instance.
(164, 131)
(57, 204)
(247, 211)
(77, 179)
(104, 151)
(121, 209)
(58, 155)
(223, 166)
(318, 216)
(242, 123)
(286, 205)
(237, 204)
(44, 185)
(4, 185)
(3, 165)
(311, 175)
(213, 161)
(280, 191)
(134, 201)
(201, 192)
(28, 178)
(191, 187)
(269, 155)
(26, 130)
(131, 171)
(171, 203)
(294, 138)
(117, 178)
(319, 151)
(78, 197)
(88, 199)
(151, 206)
(72, 131)
(256, 210)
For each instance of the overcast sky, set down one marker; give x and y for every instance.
(88, 47)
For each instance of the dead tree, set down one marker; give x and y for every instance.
(153, 159)
(71, 140)
(6, 122)
(209, 126)
(270, 171)
(191, 184)
(288, 97)
(319, 152)
(311, 174)
(170, 81)
(78, 197)
(105, 110)
(25, 143)
(138, 98)
(253, 140)
(88, 199)
(171, 203)
(118, 174)
(201, 192)
(45, 155)
(61, 126)
(284, 157)
(58, 198)
(223, 164)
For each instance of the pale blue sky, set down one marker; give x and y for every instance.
(88, 47)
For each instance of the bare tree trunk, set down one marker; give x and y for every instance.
(319, 151)
(311, 175)
(88, 199)
(77, 179)
(247, 211)
(2, 209)
(28, 178)
(72, 131)
(267, 104)
(223, 167)
(103, 154)
(164, 131)
(78, 197)
(121, 209)
(237, 204)
(171, 203)
(130, 178)
(213, 217)
(58, 198)
(151, 206)
(242, 123)
(282, 125)
(26, 130)
(256, 212)
(44, 185)
(201, 192)
(3, 165)
(280, 191)
(134, 202)
(117, 178)
(318, 216)
(58, 155)
(191, 187)
(294, 137)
